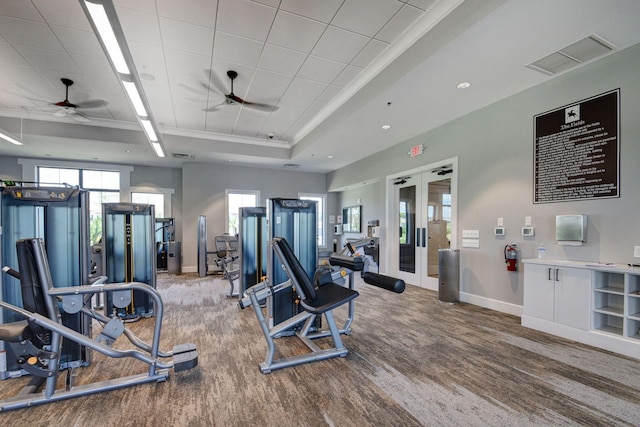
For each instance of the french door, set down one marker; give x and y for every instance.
(424, 208)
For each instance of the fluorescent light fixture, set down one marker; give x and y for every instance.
(10, 138)
(104, 21)
(148, 128)
(134, 96)
(103, 25)
(158, 148)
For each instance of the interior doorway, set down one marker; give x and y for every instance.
(422, 221)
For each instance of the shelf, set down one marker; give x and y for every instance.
(610, 290)
(610, 329)
(613, 311)
(634, 316)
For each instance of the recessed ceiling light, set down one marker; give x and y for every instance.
(463, 85)
(386, 127)
(330, 156)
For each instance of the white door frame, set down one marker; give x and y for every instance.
(392, 226)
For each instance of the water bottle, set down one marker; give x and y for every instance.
(542, 251)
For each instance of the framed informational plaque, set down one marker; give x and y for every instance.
(577, 151)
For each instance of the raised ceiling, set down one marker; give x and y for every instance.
(336, 70)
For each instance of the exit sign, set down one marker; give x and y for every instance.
(416, 150)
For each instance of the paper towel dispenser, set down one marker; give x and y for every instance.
(571, 229)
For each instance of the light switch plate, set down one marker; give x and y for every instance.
(470, 243)
(499, 231)
(470, 234)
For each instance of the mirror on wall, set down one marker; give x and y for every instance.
(351, 219)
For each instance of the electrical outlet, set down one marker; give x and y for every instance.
(636, 251)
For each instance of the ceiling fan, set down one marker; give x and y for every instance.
(232, 98)
(69, 109)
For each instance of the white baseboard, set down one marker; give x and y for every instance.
(492, 304)
(189, 269)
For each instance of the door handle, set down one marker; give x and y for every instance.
(549, 274)
(557, 278)
(424, 237)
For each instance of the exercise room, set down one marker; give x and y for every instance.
(319, 213)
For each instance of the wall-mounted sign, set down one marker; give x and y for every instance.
(577, 151)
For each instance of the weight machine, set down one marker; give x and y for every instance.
(226, 253)
(60, 215)
(295, 300)
(37, 340)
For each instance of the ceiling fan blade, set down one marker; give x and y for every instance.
(79, 117)
(92, 103)
(214, 82)
(214, 107)
(255, 105)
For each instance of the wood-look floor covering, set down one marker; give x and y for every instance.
(413, 361)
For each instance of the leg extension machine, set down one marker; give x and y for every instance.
(315, 301)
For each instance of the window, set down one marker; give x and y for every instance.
(155, 199)
(321, 215)
(237, 199)
(103, 186)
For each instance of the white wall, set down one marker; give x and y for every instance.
(203, 193)
(494, 147)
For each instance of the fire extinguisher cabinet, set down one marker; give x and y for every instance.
(449, 275)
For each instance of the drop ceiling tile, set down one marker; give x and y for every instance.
(366, 16)
(245, 18)
(198, 12)
(236, 49)
(422, 4)
(149, 59)
(94, 67)
(64, 13)
(339, 45)
(28, 33)
(20, 9)
(270, 81)
(322, 11)
(48, 59)
(147, 6)
(78, 41)
(329, 93)
(304, 88)
(399, 23)
(186, 63)
(281, 60)
(8, 55)
(186, 37)
(349, 73)
(272, 3)
(140, 26)
(295, 32)
(370, 52)
(320, 69)
(186, 119)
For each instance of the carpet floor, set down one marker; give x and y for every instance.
(412, 362)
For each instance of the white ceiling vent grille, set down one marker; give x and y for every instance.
(584, 50)
(290, 166)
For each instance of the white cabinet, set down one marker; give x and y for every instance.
(558, 294)
(593, 303)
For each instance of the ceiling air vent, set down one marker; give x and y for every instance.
(290, 166)
(184, 156)
(584, 50)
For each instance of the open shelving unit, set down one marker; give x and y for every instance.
(633, 307)
(608, 302)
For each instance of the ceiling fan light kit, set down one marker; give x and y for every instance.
(104, 20)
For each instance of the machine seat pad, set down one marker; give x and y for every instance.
(15, 331)
(352, 263)
(328, 297)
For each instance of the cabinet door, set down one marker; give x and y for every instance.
(572, 297)
(538, 291)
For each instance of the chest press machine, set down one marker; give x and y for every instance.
(317, 298)
(37, 340)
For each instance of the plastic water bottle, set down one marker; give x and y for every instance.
(542, 251)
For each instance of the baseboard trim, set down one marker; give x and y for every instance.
(492, 304)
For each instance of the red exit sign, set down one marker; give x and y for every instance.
(416, 150)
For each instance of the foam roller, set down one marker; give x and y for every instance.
(385, 282)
